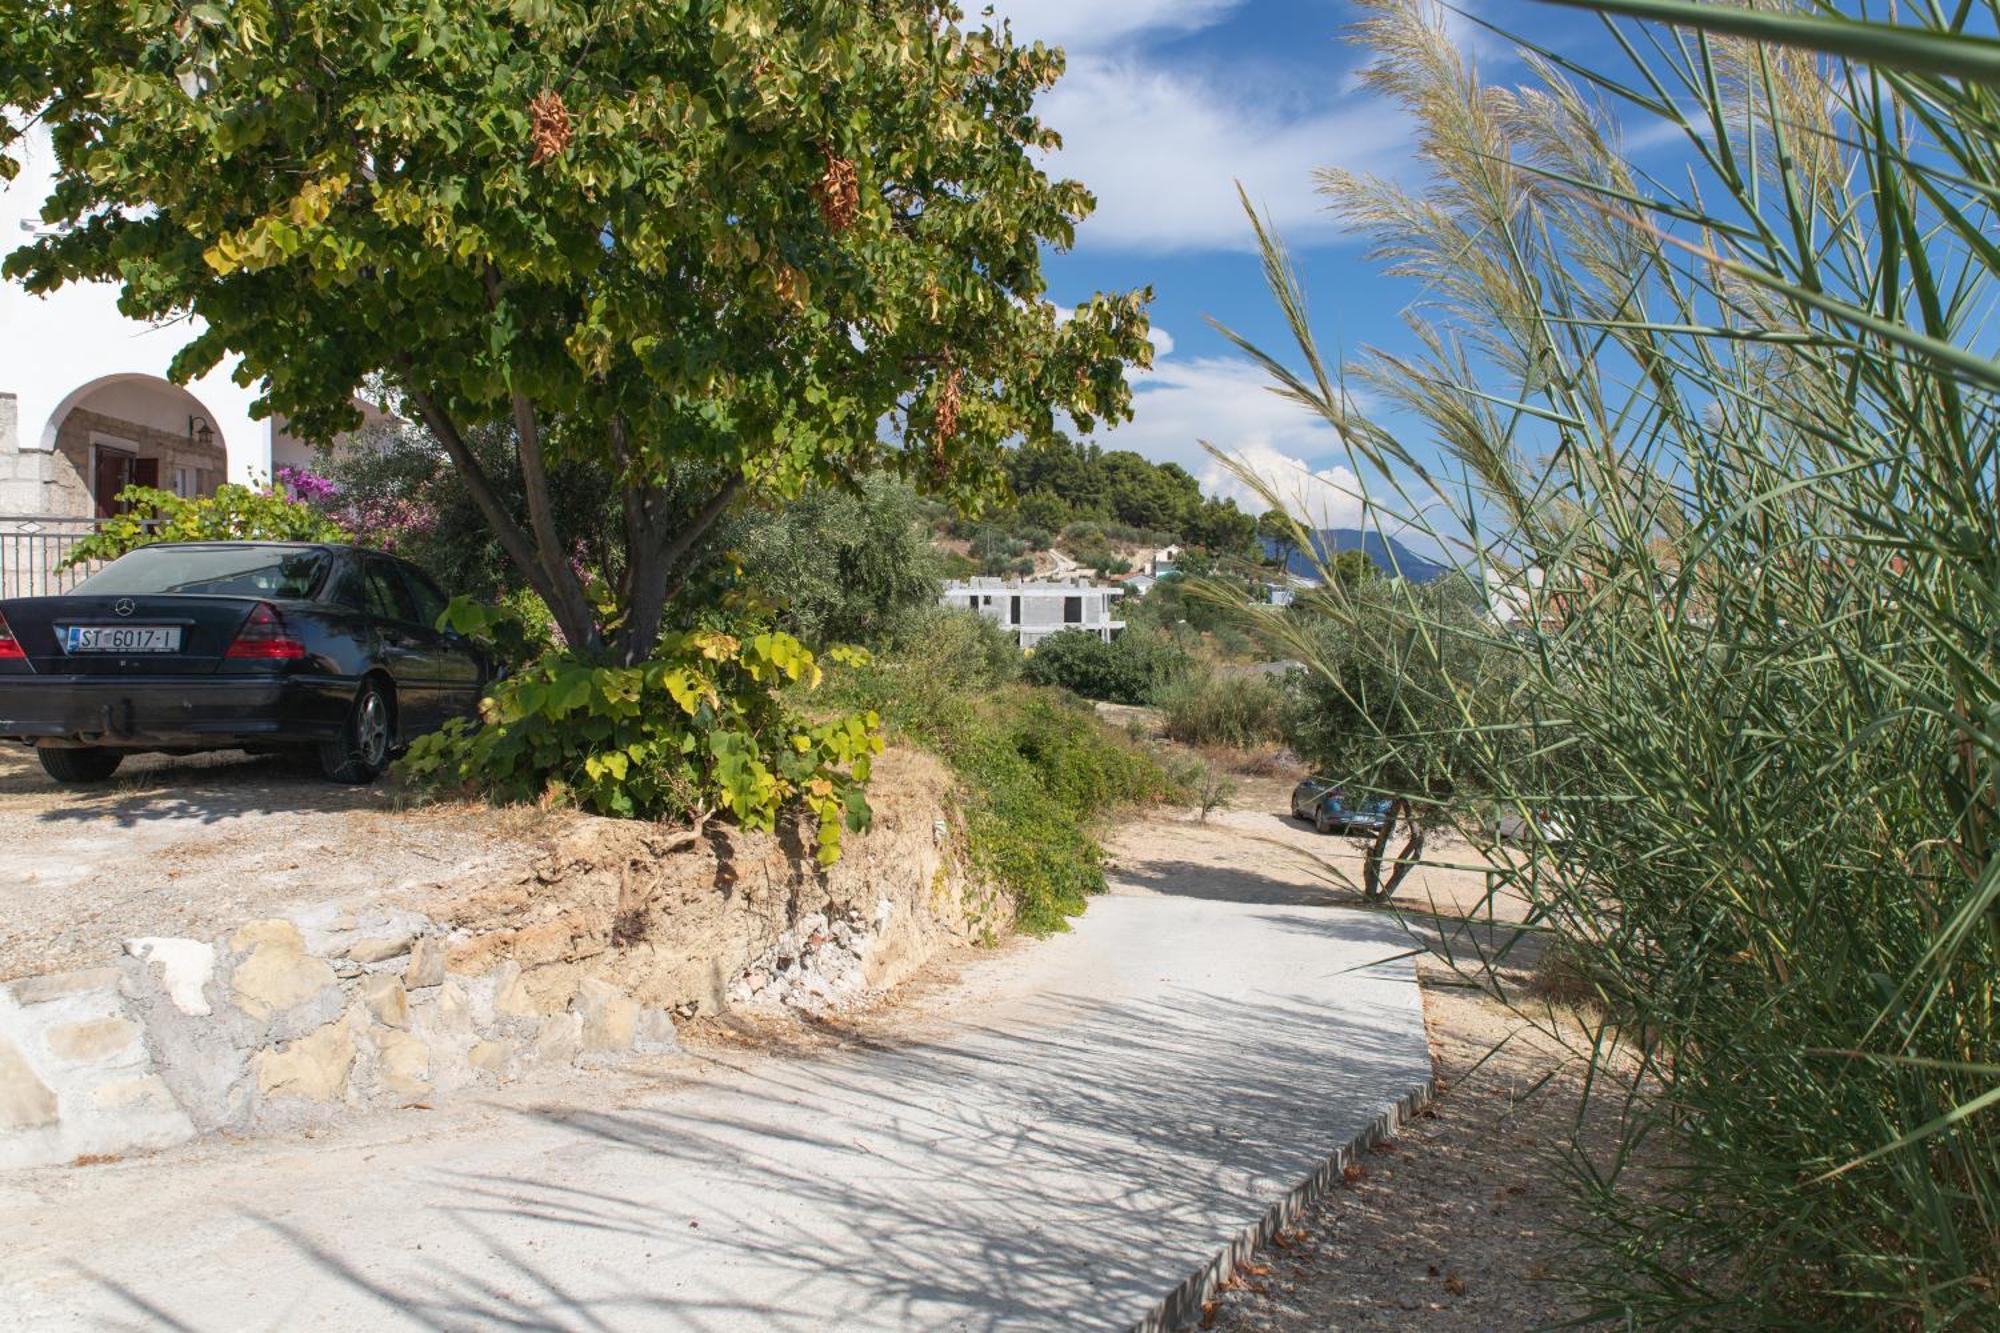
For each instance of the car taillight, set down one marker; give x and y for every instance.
(10, 647)
(263, 638)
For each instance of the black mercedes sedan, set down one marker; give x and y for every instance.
(189, 646)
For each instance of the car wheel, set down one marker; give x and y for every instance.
(362, 751)
(86, 765)
(1321, 823)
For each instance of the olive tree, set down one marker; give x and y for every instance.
(707, 247)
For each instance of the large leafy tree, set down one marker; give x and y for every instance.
(705, 245)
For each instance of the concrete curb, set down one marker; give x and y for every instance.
(1181, 1307)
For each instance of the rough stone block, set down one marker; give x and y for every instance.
(145, 1095)
(454, 1009)
(314, 1067)
(97, 1041)
(25, 1101)
(185, 969)
(511, 998)
(656, 1034)
(426, 963)
(610, 1016)
(559, 1040)
(405, 1063)
(490, 1056)
(385, 999)
(379, 950)
(279, 974)
(62, 985)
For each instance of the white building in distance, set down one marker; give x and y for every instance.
(1034, 611)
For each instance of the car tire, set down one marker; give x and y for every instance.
(78, 766)
(1321, 824)
(362, 751)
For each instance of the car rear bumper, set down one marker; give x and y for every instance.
(172, 712)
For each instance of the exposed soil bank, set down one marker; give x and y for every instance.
(583, 950)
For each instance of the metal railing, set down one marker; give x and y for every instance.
(32, 550)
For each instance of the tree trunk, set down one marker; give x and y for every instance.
(1372, 886)
(653, 559)
(570, 607)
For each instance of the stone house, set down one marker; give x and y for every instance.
(86, 407)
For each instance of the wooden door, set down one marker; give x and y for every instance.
(114, 474)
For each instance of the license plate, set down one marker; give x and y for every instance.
(122, 639)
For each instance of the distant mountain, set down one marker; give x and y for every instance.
(1390, 556)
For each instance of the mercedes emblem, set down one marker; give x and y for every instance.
(123, 606)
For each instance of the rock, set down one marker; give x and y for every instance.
(559, 1040)
(405, 1063)
(314, 1067)
(25, 1102)
(185, 969)
(655, 1033)
(385, 999)
(610, 1016)
(379, 950)
(60, 985)
(490, 1056)
(426, 963)
(510, 997)
(143, 1095)
(97, 1041)
(454, 1008)
(279, 974)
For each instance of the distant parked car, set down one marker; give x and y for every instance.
(1540, 826)
(189, 646)
(1330, 811)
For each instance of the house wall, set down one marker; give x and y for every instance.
(1041, 609)
(58, 350)
(83, 430)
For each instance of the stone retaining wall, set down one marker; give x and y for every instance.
(342, 1006)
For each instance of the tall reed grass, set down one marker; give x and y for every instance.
(1721, 454)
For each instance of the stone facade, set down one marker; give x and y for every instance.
(205, 468)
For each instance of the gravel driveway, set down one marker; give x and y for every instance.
(193, 846)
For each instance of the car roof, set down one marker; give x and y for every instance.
(295, 546)
(212, 544)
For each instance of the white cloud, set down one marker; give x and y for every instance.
(1163, 151)
(1180, 403)
(1082, 25)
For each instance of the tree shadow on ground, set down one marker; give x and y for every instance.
(1063, 1172)
(1478, 942)
(202, 789)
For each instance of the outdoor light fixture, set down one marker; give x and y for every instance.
(200, 431)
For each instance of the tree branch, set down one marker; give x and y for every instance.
(572, 612)
(512, 539)
(653, 564)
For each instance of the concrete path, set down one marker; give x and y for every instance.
(1067, 1133)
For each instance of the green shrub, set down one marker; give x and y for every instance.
(233, 513)
(1130, 669)
(1721, 445)
(939, 659)
(841, 567)
(1035, 767)
(1236, 711)
(701, 726)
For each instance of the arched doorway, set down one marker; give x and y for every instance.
(133, 429)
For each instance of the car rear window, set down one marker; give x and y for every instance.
(216, 571)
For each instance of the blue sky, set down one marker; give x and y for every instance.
(1166, 104)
